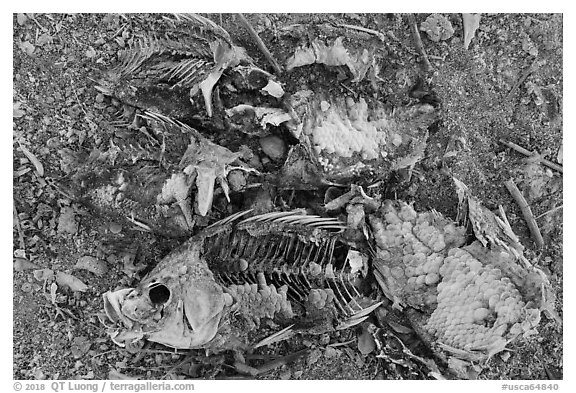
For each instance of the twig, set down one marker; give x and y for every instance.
(526, 212)
(381, 36)
(38, 23)
(528, 153)
(19, 228)
(550, 211)
(521, 80)
(260, 44)
(349, 89)
(265, 368)
(418, 42)
(139, 224)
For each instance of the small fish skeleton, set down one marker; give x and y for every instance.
(283, 265)
(466, 300)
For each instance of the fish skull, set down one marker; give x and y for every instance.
(184, 317)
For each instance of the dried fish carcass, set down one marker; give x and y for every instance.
(360, 140)
(164, 71)
(472, 300)
(156, 177)
(223, 282)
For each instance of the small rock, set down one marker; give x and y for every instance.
(43, 274)
(438, 27)
(366, 343)
(80, 346)
(27, 48)
(21, 264)
(21, 18)
(115, 228)
(236, 180)
(90, 52)
(100, 98)
(17, 112)
(273, 146)
(67, 221)
(93, 265)
(313, 357)
(68, 280)
(39, 374)
(331, 352)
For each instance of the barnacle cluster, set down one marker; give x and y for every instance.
(471, 302)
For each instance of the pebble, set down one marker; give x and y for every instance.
(236, 180)
(92, 264)
(242, 264)
(115, 228)
(273, 146)
(330, 352)
(313, 357)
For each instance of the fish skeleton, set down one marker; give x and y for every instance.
(468, 300)
(283, 265)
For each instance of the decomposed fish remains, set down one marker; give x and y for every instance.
(222, 282)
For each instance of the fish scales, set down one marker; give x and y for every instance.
(473, 300)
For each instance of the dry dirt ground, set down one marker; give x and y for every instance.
(506, 85)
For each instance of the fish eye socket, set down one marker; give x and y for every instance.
(159, 294)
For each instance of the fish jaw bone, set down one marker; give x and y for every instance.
(176, 332)
(113, 306)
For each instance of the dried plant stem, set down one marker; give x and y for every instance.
(550, 211)
(521, 80)
(381, 36)
(418, 42)
(528, 153)
(19, 228)
(260, 44)
(526, 212)
(267, 367)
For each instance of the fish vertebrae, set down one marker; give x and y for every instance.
(305, 265)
